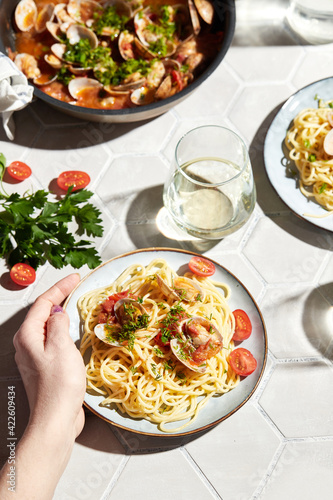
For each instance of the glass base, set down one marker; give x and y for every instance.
(180, 231)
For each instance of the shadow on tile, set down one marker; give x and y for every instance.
(267, 197)
(78, 133)
(143, 229)
(318, 320)
(8, 329)
(132, 442)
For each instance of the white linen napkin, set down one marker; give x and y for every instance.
(15, 93)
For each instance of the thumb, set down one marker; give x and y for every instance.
(57, 328)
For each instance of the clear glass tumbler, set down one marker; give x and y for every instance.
(210, 190)
(312, 20)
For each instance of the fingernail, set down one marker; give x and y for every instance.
(56, 309)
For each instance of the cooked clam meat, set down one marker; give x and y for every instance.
(119, 330)
(198, 341)
(182, 289)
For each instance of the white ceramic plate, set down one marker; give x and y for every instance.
(217, 408)
(274, 156)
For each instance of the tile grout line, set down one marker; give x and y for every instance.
(114, 480)
(200, 473)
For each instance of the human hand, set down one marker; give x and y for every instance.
(51, 366)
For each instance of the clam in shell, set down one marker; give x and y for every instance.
(77, 85)
(44, 16)
(25, 15)
(183, 289)
(108, 334)
(76, 32)
(198, 341)
(128, 310)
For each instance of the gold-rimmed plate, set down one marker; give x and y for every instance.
(218, 408)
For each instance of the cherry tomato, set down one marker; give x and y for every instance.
(175, 75)
(107, 311)
(243, 327)
(201, 266)
(19, 170)
(23, 274)
(75, 178)
(242, 361)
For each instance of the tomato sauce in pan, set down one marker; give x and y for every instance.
(161, 74)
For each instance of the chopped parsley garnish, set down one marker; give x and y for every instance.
(307, 143)
(126, 332)
(81, 53)
(168, 365)
(323, 187)
(158, 352)
(64, 75)
(111, 73)
(312, 158)
(164, 29)
(170, 322)
(109, 18)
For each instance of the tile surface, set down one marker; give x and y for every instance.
(279, 445)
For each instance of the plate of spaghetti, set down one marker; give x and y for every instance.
(298, 159)
(172, 343)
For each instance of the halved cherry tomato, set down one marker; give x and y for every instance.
(75, 178)
(107, 312)
(23, 274)
(19, 170)
(242, 362)
(243, 327)
(175, 75)
(201, 266)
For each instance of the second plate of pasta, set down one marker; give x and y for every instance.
(294, 180)
(144, 376)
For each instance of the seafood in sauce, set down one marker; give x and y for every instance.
(114, 54)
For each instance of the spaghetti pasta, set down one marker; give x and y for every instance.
(305, 141)
(146, 380)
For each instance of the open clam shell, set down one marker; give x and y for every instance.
(142, 95)
(59, 49)
(25, 15)
(126, 45)
(83, 10)
(76, 85)
(43, 17)
(60, 11)
(198, 340)
(205, 9)
(105, 333)
(55, 30)
(53, 61)
(183, 289)
(76, 32)
(128, 310)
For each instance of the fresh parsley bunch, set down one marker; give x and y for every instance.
(35, 230)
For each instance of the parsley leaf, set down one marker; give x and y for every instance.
(35, 230)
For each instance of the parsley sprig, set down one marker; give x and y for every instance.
(171, 321)
(126, 332)
(35, 230)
